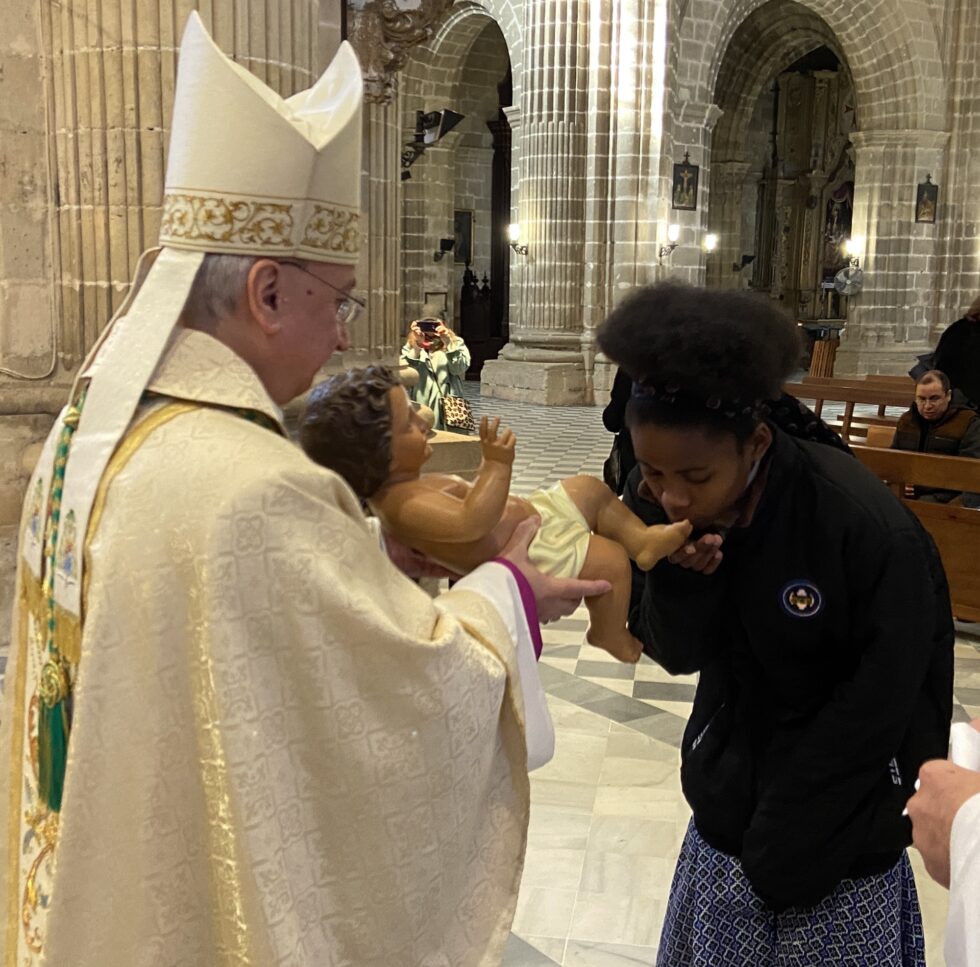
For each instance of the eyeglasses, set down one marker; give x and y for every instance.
(349, 310)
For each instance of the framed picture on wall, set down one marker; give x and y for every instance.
(926, 201)
(463, 231)
(685, 189)
(440, 299)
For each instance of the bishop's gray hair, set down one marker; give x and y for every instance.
(218, 288)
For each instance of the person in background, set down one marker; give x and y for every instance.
(816, 610)
(958, 356)
(440, 358)
(935, 424)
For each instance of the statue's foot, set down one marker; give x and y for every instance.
(661, 540)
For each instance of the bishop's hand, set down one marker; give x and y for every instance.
(555, 597)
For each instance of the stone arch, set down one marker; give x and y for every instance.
(432, 78)
(760, 49)
(891, 48)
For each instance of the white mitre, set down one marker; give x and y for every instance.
(248, 173)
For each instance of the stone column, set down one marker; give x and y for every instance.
(383, 32)
(543, 361)
(86, 91)
(692, 131)
(891, 320)
(377, 336)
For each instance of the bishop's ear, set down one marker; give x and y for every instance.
(265, 296)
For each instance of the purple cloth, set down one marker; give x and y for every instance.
(530, 605)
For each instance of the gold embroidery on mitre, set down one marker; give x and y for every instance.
(212, 220)
(332, 230)
(229, 221)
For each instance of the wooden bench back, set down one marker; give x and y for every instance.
(880, 436)
(851, 392)
(954, 528)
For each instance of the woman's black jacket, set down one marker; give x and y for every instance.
(824, 643)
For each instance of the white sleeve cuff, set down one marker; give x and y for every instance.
(495, 583)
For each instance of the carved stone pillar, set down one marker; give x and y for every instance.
(692, 131)
(892, 319)
(86, 91)
(543, 361)
(383, 33)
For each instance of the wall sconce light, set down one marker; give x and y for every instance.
(445, 245)
(854, 249)
(710, 242)
(673, 234)
(514, 237)
(430, 127)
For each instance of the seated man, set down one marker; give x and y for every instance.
(934, 424)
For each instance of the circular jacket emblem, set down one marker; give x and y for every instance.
(801, 599)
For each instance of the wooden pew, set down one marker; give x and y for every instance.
(880, 436)
(850, 392)
(954, 528)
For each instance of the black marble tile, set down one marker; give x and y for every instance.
(664, 691)
(619, 708)
(605, 669)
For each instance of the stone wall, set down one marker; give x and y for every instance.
(86, 92)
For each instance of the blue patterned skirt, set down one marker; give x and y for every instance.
(715, 919)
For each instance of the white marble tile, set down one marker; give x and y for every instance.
(617, 918)
(626, 874)
(562, 664)
(637, 837)
(569, 717)
(578, 758)
(621, 771)
(570, 795)
(559, 827)
(664, 803)
(626, 743)
(579, 953)
(543, 912)
(556, 869)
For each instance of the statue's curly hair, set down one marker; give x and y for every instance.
(346, 426)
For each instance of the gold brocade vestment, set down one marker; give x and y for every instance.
(282, 752)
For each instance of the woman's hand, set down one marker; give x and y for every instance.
(414, 336)
(703, 555)
(445, 334)
(555, 597)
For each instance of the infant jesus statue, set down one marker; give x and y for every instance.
(362, 425)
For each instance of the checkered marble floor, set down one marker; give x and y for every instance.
(607, 814)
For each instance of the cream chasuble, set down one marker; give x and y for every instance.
(282, 752)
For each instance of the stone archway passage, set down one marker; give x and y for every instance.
(782, 171)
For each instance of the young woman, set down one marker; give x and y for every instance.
(816, 610)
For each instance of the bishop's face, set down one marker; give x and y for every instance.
(313, 321)
(410, 446)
